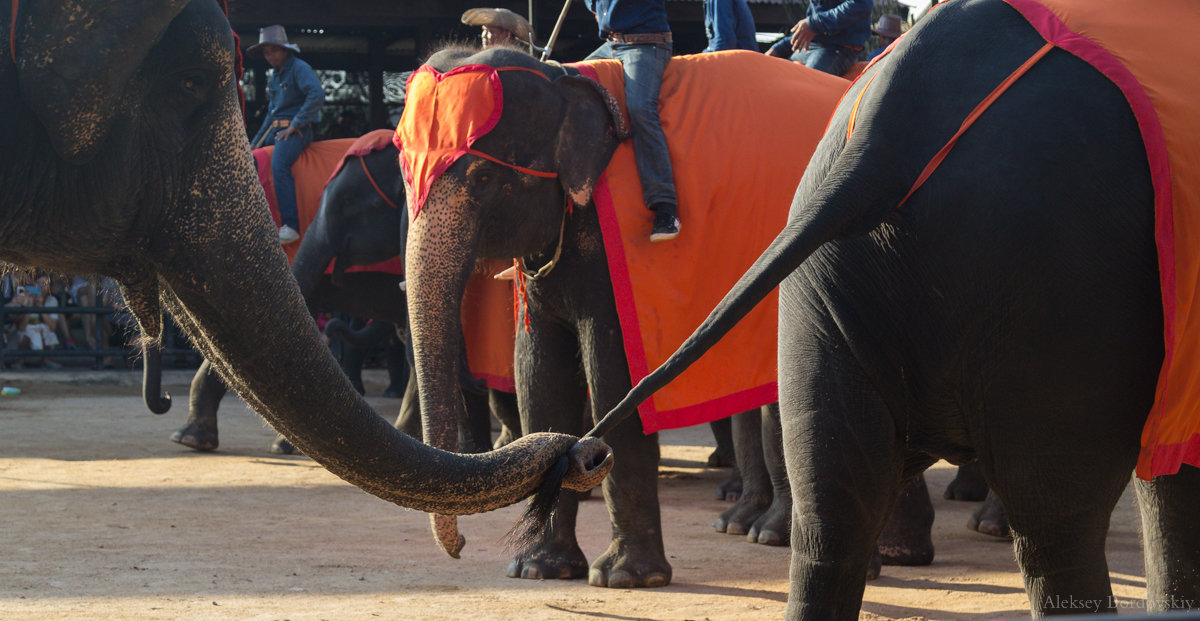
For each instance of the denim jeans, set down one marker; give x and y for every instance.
(286, 153)
(834, 59)
(644, 64)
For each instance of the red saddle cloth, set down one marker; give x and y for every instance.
(741, 128)
(1142, 51)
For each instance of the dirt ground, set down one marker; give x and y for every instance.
(102, 517)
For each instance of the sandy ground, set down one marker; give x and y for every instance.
(101, 517)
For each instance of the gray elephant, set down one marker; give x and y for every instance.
(1009, 310)
(357, 223)
(125, 154)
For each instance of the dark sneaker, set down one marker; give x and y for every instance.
(666, 226)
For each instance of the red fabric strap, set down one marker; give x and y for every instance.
(528, 171)
(973, 116)
(362, 160)
(12, 33)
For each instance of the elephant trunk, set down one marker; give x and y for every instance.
(156, 400)
(226, 280)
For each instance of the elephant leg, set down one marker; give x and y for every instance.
(504, 408)
(200, 430)
(906, 538)
(550, 396)
(756, 482)
(1170, 540)
(989, 518)
(352, 364)
(475, 432)
(635, 556)
(968, 484)
(397, 368)
(409, 419)
(722, 456)
(1058, 510)
(845, 466)
(774, 528)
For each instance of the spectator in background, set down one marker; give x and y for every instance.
(729, 26)
(830, 37)
(36, 331)
(887, 29)
(636, 32)
(500, 27)
(295, 98)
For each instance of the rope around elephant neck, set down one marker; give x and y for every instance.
(363, 160)
(521, 294)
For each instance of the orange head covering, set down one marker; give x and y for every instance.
(444, 114)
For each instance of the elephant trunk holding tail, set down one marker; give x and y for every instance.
(125, 155)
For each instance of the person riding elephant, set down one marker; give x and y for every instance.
(295, 97)
(830, 36)
(125, 147)
(1003, 273)
(500, 27)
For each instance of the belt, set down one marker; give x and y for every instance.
(641, 37)
(281, 123)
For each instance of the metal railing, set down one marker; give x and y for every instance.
(174, 344)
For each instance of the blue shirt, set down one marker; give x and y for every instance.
(729, 26)
(630, 16)
(836, 22)
(294, 92)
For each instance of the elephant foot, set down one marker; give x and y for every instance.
(199, 437)
(875, 567)
(990, 519)
(731, 489)
(551, 562)
(621, 567)
(773, 528)
(281, 446)
(720, 458)
(968, 484)
(738, 519)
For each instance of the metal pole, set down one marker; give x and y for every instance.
(554, 33)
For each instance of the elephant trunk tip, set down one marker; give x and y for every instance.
(583, 467)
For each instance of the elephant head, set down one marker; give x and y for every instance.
(126, 155)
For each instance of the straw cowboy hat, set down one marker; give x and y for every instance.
(887, 26)
(500, 18)
(271, 35)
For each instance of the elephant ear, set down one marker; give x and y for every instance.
(75, 59)
(590, 131)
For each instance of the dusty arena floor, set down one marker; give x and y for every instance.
(102, 517)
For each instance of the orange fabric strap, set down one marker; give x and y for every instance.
(12, 33)
(973, 116)
(854, 108)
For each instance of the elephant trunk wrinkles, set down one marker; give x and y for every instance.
(226, 280)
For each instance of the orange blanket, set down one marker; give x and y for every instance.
(741, 128)
(317, 164)
(1143, 52)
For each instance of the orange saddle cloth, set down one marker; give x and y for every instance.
(741, 128)
(1144, 49)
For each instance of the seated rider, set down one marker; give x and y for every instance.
(500, 27)
(636, 33)
(830, 37)
(295, 98)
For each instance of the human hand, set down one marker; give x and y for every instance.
(287, 132)
(802, 35)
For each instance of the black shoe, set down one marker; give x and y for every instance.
(666, 225)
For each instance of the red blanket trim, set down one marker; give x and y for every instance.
(654, 419)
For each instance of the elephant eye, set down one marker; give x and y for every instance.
(192, 84)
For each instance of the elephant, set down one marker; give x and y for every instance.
(500, 202)
(126, 156)
(356, 224)
(1007, 310)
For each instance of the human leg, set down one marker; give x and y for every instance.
(644, 65)
(286, 153)
(833, 59)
